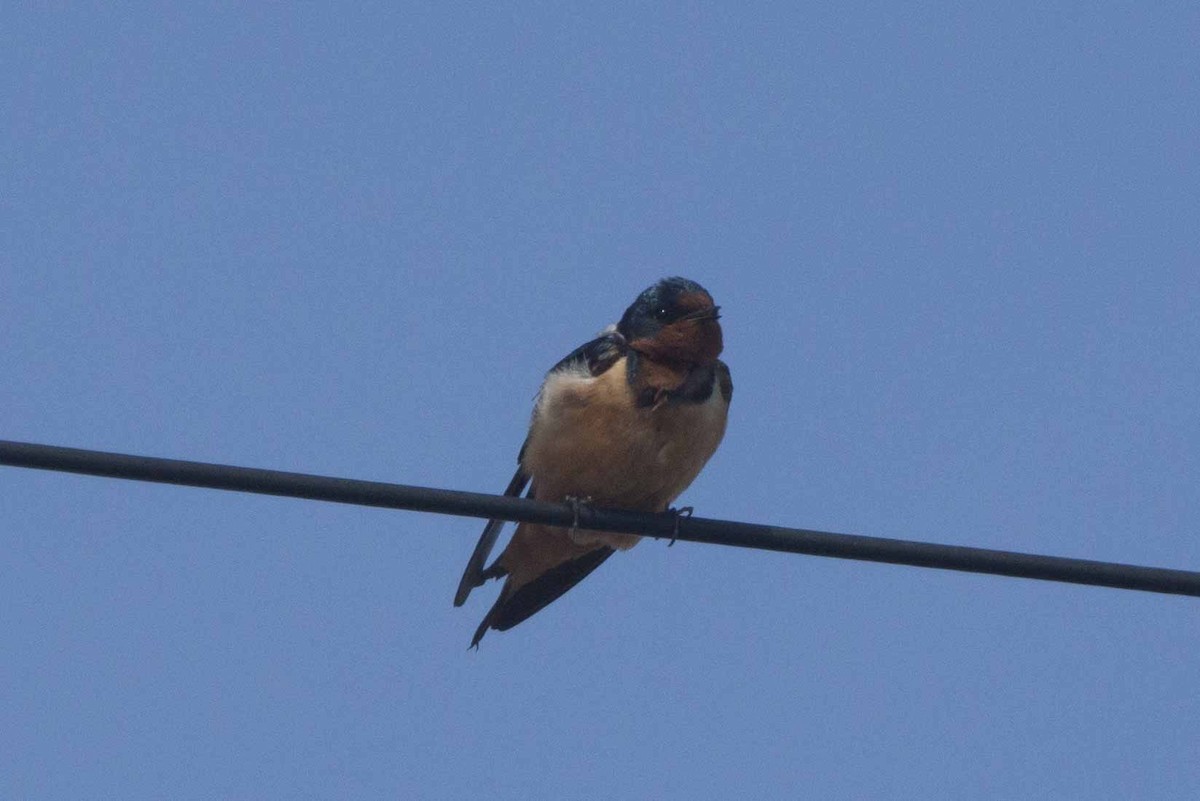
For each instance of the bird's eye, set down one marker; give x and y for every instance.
(662, 313)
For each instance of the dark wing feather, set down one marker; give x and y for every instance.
(598, 355)
(537, 594)
(474, 576)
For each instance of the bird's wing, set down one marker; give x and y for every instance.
(595, 357)
(516, 603)
(474, 576)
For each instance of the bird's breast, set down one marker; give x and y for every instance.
(589, 438)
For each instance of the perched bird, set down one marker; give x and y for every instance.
(626, 420)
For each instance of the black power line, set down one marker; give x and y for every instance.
(694, 529)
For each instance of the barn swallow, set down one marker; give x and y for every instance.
(626, 420)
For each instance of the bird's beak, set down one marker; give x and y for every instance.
(713, 313)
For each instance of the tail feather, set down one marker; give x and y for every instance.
(475, 575)
(514, 606)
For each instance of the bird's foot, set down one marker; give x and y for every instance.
(681, 512)
(576, 503)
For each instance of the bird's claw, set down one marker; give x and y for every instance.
(683, 511)
(576, 502)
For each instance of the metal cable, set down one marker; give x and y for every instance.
(667, 525)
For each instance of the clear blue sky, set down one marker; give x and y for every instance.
(957, 253)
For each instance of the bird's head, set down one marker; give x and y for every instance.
(674, 321)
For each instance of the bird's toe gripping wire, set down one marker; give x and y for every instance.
(681, 512)
(576, 503)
